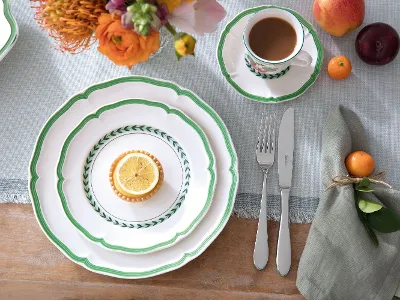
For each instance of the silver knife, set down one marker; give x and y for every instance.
(285, 167)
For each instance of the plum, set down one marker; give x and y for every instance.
(377, 44)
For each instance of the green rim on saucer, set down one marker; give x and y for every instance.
(14, 29)
(164, 216)
(300, 91)
(85, 261)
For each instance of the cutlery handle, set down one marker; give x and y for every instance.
(260, 255)
(283, 255)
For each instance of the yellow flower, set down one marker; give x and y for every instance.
(185, 45)
(172, 4)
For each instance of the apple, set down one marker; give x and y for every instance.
(338, 17)
(378, 44)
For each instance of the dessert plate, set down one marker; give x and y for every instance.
(186, 192)
(259, 87)
(43, 179)
(9, 29)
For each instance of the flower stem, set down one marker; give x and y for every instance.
(170, 29)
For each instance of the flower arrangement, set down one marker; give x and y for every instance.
(127, 31)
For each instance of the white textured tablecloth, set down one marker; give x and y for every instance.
(35, 80)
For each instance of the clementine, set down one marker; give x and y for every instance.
(360, 164)
(339, 67)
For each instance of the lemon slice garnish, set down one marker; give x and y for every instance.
(136, 174)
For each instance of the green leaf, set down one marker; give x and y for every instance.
(368, 206)
(371, 233)
(365, 182)
(363, 218)
(364, 189)
(385, 220)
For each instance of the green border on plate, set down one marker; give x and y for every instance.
(14, 27)
(96, 115)
(84, 261)
(305, 23)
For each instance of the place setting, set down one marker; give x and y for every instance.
(136, 176)
(133, 187)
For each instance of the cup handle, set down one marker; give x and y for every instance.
(303, 59)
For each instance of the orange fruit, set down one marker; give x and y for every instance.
(360, 164)
(339, 67)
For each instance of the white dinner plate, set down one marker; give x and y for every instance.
(8, 29)
(43, 179)
(183, 199)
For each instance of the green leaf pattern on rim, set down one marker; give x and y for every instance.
(266, 76)
(103, 142)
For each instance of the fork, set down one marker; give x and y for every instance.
(265, 154)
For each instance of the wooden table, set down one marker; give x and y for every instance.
(32, 268)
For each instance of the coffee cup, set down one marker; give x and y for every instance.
(297, 57)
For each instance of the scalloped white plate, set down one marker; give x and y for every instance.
(173, 212)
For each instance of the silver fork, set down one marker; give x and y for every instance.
(265, 153)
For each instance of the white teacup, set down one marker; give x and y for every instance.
(298, 57)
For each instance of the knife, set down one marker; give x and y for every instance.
(285, 167)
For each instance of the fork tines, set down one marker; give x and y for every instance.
(266, 136)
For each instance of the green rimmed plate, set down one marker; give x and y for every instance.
(173, 212)
(43, 181)
(9, 29)
(287, 85)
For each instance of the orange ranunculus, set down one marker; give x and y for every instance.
(122, 45)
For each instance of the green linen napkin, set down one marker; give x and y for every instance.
(339, 261)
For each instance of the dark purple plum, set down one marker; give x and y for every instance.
(377, 44)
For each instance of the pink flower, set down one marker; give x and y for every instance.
(126, 20)
(197, 17)
(116, 6)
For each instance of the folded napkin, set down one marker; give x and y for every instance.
(339, 260)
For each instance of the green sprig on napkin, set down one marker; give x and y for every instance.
(373, 214)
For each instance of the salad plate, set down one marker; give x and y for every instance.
(43, 180)
(139, 227)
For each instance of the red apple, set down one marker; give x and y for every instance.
(377, 44)
(339, 17)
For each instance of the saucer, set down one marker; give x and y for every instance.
(287, 85)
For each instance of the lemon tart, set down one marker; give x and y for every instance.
(136, 175)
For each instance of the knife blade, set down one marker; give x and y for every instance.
(285, 168)
(285, 148)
